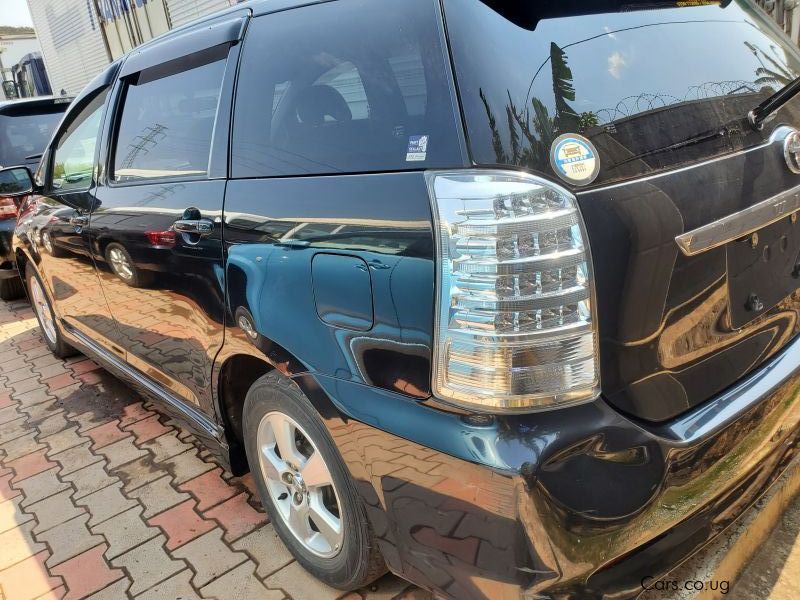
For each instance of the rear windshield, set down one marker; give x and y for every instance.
(26, 132)
(638, 84)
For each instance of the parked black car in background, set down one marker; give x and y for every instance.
(25, 129)
(502, 297)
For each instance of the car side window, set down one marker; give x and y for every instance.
(74, 153)
(355, 87)
(167, 123)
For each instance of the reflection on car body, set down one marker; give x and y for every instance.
(355, 260)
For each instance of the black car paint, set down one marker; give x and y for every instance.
(669, 340)
(580, 501)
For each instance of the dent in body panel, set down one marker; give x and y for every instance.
(274, 229)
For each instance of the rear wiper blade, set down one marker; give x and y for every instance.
(755, 118)
(767, 109)
(34, 156)
(731, 128)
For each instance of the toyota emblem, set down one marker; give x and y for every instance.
(791, 151)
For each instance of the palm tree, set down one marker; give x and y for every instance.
(563, 90)
(776, 74)
(531, 132)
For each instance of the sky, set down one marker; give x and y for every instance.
(15, 13)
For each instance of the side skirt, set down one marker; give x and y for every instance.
(212, 434)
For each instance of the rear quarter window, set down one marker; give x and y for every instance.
(350, 87)
(636, 83)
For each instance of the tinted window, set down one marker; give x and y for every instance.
(346, 80)
(354, 85)
(73, 161)
(167, 124)
(27, 133)
(636, 83)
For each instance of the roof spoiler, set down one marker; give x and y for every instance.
(528, 13)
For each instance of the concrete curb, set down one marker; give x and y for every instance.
(726, 558)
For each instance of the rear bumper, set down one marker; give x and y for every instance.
(581, 501)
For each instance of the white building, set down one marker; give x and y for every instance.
(80, 37)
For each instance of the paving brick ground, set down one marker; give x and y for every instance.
(103, 497)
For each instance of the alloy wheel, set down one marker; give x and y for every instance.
(300, 484)
(47, 242)
(120, 263)
(43, 312)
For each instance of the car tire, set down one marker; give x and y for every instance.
(274, 403)
(43, 309)
(122, 265)
(11, 289)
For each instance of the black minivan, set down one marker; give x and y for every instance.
(501, 297)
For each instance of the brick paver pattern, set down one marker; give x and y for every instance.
(103, 497)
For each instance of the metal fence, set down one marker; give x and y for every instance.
(786, 13)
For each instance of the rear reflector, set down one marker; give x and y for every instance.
(515, 320)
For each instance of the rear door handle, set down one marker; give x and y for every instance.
(196, 226)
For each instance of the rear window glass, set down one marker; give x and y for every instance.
(638, 84)
(27, 133)
(353, 86)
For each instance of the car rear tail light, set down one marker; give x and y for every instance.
(515, 319)
(8, 209)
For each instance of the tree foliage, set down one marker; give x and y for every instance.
(8, 30)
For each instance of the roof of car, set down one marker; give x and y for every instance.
(36, 100)
(257, 7)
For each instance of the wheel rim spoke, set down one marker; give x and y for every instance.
(298, 520)
(272, 465)
(315, 472)
(284, 433)
(328, 524)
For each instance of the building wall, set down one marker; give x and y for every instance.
(72, 42)
(126, 27)
(76, 43)
(183, 11)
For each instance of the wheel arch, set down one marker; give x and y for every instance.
(236, 373)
